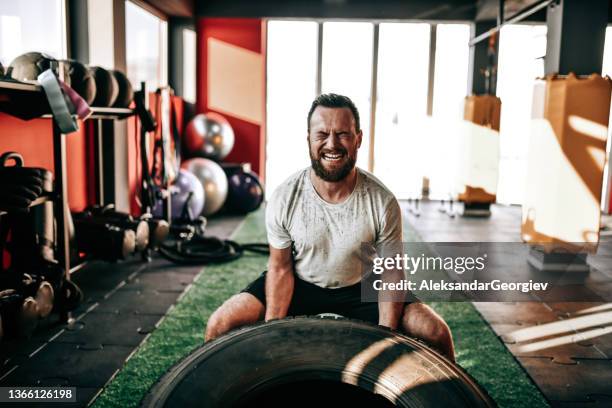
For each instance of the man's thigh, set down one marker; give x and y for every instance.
(307, 299)
(240, 309)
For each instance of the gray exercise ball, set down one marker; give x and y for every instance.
(214, 181)
(209, 135)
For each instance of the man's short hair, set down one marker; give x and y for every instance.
(332, 100)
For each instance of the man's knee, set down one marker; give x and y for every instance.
(237, 311)
(216, 325)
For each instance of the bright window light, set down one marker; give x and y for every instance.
(607, 57)
(347, 70)
(520, 62)
(291, 87)
(450, 89)
(146, 47)
(189, 65)
(31, 25)
(401, 107)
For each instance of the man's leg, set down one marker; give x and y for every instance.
(239, 310)
(420, 321)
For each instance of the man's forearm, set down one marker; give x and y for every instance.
(389, 314)
(279, 290)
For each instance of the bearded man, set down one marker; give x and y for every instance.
(316, 223)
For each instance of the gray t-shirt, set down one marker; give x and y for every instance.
(327, 237)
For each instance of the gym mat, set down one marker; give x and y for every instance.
(109, 329)
(66, 364)
(478, 349)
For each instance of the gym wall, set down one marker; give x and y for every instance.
(231, 81)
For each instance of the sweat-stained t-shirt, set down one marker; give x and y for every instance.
(327, 237)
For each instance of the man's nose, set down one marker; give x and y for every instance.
(332, 141)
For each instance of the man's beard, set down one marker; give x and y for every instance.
(332, 175)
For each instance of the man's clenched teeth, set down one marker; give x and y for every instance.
(332, 157)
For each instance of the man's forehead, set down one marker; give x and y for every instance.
(324, 116)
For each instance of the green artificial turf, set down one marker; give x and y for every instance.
(478, 349)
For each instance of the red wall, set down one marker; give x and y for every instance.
(34, 141)
(250, 34)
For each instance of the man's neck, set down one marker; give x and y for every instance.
(334, 192)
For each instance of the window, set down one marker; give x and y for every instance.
(520, 62)
(146, 47)
(405, 136)
(401, 107)
(189, 65)
(450, 89)
(606, 197)
(607, 57)
(32, 25)
(347, 70)
(291, 87)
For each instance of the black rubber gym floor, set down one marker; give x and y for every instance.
(123, 304)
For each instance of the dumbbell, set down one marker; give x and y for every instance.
(101, 239)
(19, 314)
(124, 221)
(69, 296)
(158, 230)
(41, 291)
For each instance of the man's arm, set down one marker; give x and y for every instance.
(391, 303)
(279, 283)
(389, 313)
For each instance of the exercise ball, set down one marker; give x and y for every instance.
(209, 135)
(214, 181)
(186, 198)
(126, 92)
(28, 66)
(244, 194)
(107, 88)
(81, 80)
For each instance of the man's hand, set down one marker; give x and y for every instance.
(279, 283)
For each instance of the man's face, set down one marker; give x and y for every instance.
(333, 142)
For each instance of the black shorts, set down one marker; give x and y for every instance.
(310, 299)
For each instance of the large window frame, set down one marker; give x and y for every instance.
(375, 61)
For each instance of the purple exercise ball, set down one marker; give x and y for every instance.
(186, 197)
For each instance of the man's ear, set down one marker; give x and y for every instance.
(359, 138)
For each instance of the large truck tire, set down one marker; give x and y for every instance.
(316, 362)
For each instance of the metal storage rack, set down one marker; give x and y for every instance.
(28, 101)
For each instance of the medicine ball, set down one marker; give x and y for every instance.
(126, 92)
(107, 88)
(28, 66)
(209, 135)
(81, 80)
